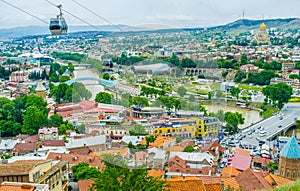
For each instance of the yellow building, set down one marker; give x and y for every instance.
(40, 90)
(262, 36)
(183, 128)
(207, 126)
(53, 173)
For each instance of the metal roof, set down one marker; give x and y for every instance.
(291, 149)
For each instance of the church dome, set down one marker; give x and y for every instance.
(263, 27)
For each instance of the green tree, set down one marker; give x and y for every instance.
(189, 149)
(118, 176)
(219, 94)
(54, 77)
(71, 66)
(279, 94)
(62, 129)
(174, 60)
(235, 92)
(178, 138)
(62, 70)
(95, 63)
(294, 76)
(64, 79)
(210, 95)
(181, 91)
(138, 129)
(244, 59)
(220, 115)
(6, 156)
(233, 120)
(191, 98)
(81, 129)
(82, 171)
(224, 73)
(141, 101)
(55, 120)
(79, 92)
(272, 166)
(239, 76)
(106, 76)
(104, 97)
(33, 120)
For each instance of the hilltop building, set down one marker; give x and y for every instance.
(289, 163)
(262, 36)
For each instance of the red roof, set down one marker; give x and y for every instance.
(98, 110)
(54, 143)
(83, 185)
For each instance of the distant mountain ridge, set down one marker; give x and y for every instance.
(241, 24)
(250, 23)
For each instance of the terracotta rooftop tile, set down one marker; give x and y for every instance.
(25, 147)
(18, 167)
(121, 152)
(156, 173)
(230, 182)
(54, 143)
(186, 143)
(251, 181)
(280, 181)
(230, 171)
(84, 185)
(159, 141)
(186, 185)
(213, 187)
(76, 158)
(175, 148)
(16, 188)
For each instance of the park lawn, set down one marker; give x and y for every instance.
(248, 87)
(215, 86)
(270, 111)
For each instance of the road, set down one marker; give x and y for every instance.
(271, 125)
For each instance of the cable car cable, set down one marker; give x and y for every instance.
(96, 14)
(10, 4)
(75, 16)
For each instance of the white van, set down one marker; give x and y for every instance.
(262, 133)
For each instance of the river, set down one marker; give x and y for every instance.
(93, 86)
(251, 116)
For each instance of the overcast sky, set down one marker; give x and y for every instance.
(173, 13)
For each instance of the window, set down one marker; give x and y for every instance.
(36, 175)
(160, 131)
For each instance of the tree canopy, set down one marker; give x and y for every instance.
(118, 176)
(235, 92)
(82, 171)
(188, 149)
(181, 91)
(233, 120)
(138, 129)
(278, 94)
(104, 97)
